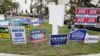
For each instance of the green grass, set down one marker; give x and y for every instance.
(44, 49)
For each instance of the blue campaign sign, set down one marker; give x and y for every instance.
(15, 22)
(26, 21)
(37, 35)
(41, 20)
(58, 39)
(78, 34)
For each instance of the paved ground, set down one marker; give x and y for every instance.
(5, 54)
(90, 55)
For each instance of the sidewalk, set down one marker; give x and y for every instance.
(5, 54)
(90, 55)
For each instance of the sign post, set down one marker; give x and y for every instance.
(56, 16)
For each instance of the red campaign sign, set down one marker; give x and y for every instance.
(85, 20)
(87, 11)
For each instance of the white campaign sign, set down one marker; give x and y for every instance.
(2, 17)
(56, 14)
(35, 22)
(91, 39)
(18, 34)
(4, 23)
(97, 25)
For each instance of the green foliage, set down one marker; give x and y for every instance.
(39, 8)
(7, 5)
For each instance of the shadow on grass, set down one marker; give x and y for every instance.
(94, 29)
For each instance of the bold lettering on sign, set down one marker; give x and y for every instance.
(80, 19)
(92, 11)
(91, 20)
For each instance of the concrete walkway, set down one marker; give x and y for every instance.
(90, 55)
(5, 54)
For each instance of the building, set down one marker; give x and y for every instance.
(24, 6)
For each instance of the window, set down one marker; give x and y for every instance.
(22, 11)
(26, 12)
(25, 1)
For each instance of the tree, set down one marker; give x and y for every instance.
(39, 8)
(7, 5)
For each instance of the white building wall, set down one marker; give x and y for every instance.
(23, 6)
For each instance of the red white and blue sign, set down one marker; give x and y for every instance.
(89, 11)
(85, 20)
(58, 39)
(78, 34)
(37, 35)
(86, 16)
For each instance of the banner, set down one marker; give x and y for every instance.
(18, 34)
(37, 36)
(4, 33)
(78, 34)
(58, 39)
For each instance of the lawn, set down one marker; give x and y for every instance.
(44, 49)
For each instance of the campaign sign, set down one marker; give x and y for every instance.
(85, 20)
(86, 16)
(15, 22)
(78, 34)
(37, 36)
(35, 22)
(91, 39)
(40, 20)
(26, 21)
(4, 33)
(90, 11)
(58, 39)
(4, 23)
(18, 34)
